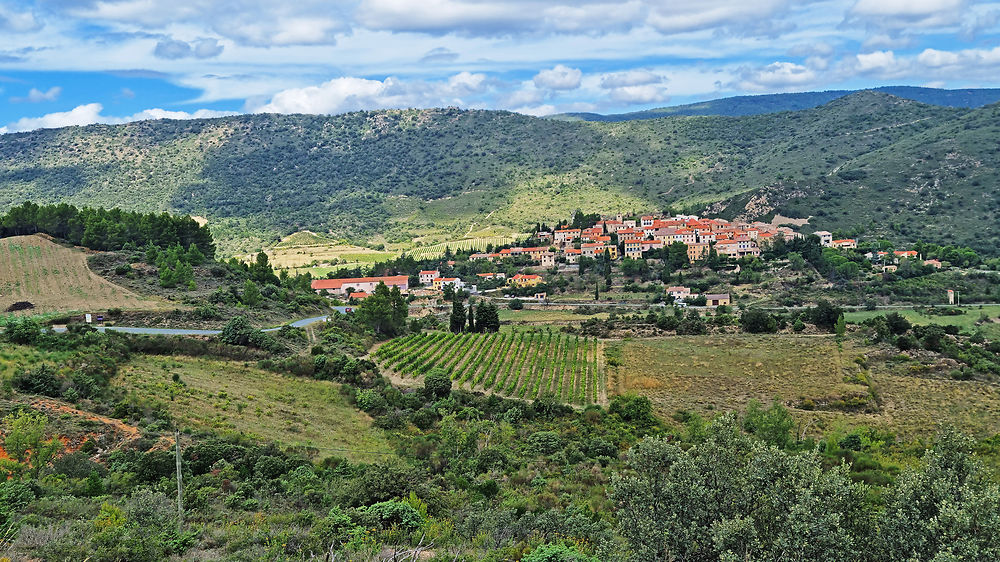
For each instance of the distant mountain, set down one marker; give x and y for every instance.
(773, 103)
(867, 163)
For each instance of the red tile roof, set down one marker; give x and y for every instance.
(318, 284)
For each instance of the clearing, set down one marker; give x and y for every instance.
(57, 278)
(822, 387)
(230, 397)
(985, 317)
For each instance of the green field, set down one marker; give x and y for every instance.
(229, 397)
(711, 374)
(515, 364)
(979, 317)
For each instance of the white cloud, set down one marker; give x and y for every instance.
(560, 77)
(907, 14)
(777, 76)
(876, 61)
(353, 94)
(90, 113)
(636, 77)
(17, 22)
(261, 23)
(37, 96)
(515, 17)
(177, 49)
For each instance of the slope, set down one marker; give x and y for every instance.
(394, 177)
(774, 103)
(56, 278)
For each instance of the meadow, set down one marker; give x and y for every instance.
(824, 388)
(518, 364)
(232, 398)
(56, 278)
(979, 317)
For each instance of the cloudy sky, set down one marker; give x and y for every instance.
(65, 62)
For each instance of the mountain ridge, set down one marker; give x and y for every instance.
(409, 176)
(737, 106)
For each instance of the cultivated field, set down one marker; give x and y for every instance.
(515, 364)
(712, 374)
(228, 397)
(55, 278)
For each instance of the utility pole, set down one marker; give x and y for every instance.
(180, 487)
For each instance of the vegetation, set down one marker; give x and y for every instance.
(517, 364)
(862, 163)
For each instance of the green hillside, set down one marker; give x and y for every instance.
(773, 103)
(394, 175)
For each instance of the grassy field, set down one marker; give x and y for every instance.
(519, 364)
(711, 374)
(57, 279)
(970, 321)
(230, 397)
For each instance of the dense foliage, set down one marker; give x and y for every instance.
(107, 229)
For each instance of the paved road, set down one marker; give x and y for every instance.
(192, 332)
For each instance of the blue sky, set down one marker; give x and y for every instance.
(74, 62)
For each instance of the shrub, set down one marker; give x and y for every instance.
(437, 384)
(40, 380)
(237, 331)
(757, 321)
(392, 513)
(24, 331)
(545, 442)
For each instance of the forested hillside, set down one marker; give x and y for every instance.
(868, 163)
(773, 103)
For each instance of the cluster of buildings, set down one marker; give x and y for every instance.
(636, 237)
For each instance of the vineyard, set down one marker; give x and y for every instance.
(514, 364)
(468, 244)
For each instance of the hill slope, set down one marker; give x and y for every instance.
(772, 103)
(402, 174)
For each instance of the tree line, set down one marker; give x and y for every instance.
(106, 229)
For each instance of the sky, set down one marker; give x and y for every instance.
(76, 62)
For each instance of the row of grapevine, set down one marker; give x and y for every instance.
(517, 364)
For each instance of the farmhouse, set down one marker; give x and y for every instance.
(523, 280)
(720, 299)
(360, 284)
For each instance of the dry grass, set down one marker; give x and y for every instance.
(712, 374)
(57, 279)
(232, 397)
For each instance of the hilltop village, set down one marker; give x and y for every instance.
(548, 265)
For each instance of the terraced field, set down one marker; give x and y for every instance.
(518, 364)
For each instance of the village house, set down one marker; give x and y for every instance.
(428, 277)
(455, 283)
(845, 243)
(343, 287)
(825, 238)
(498, 275)
(679, 293)
(698, 251)
(905, 253)
(592, 249)
(524, 280)
(547, 259)
(573, 255)
(358, 296)
(721, 299)
(477, 257)
(566, 235)
(646, 221)
(935, 263)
